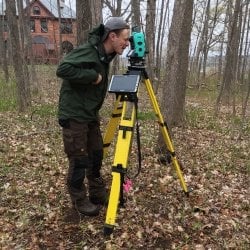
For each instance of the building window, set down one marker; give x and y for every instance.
(67, 47)
(44, 26)
(66, 27)
(36, 10)
(32, 25)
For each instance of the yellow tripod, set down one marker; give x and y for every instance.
(124, 115)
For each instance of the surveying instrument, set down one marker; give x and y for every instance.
(125, 114)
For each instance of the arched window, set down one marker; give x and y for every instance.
(36, 10)
(67, 46)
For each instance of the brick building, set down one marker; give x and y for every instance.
(46, 29)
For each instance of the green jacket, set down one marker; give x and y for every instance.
(79, 98)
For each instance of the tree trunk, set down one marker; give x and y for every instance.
(3, 49)
(17, 59)
(29, 52)
(24, 51)
(244, 68)
(205, 41)
(60, 33)
(174, 90)
(159, 42)
(230, 74)
(243, 23)
(244, 45)
(244, 107)
(196, 64)
(96, 9)
(222, 41)
(84, 20)
(150, 36)
(136, 14)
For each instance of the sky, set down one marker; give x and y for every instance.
(71, 3)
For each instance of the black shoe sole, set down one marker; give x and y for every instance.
(96, 213)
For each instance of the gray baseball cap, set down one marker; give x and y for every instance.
(114, 23)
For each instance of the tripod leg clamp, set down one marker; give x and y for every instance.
(119, 169)
(122, 171)
(124, 130)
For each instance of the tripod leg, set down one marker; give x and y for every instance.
(119, 168)
(164, 131)
(112, 125)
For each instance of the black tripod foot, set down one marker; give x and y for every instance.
(188, 192)
(108, 230)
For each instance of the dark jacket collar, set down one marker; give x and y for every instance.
(106, 58)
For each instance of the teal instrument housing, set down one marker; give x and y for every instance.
(139, 44)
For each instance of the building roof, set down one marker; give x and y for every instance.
(51, 5)
(66, 11)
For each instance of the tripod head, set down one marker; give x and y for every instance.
(138, 49)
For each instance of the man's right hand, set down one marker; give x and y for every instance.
(98, 80)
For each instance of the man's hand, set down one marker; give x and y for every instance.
(98, 80)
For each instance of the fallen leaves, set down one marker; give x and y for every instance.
(36, 213)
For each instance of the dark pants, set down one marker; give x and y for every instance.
(83, 145)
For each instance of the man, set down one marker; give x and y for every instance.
(85, 80)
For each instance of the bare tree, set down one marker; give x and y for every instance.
(205, 39)
(205, 24)
(230, 74)
(162, 27)
(115, 9)
(84, 20)
(150, 36)
(244, 108)
(23, 94)
(245, 81)
(196, 62)
(60, 24)
(135, 11)
(3, 47)
(177, 62)
(29, 52)
(244, 45)
(24, 48)
(174, 90)
(96, 9)
(222, 39)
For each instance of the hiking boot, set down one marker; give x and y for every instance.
(97, 191)
(86, 207)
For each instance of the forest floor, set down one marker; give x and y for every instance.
(215, 152)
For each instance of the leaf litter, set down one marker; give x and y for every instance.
(36, 212)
